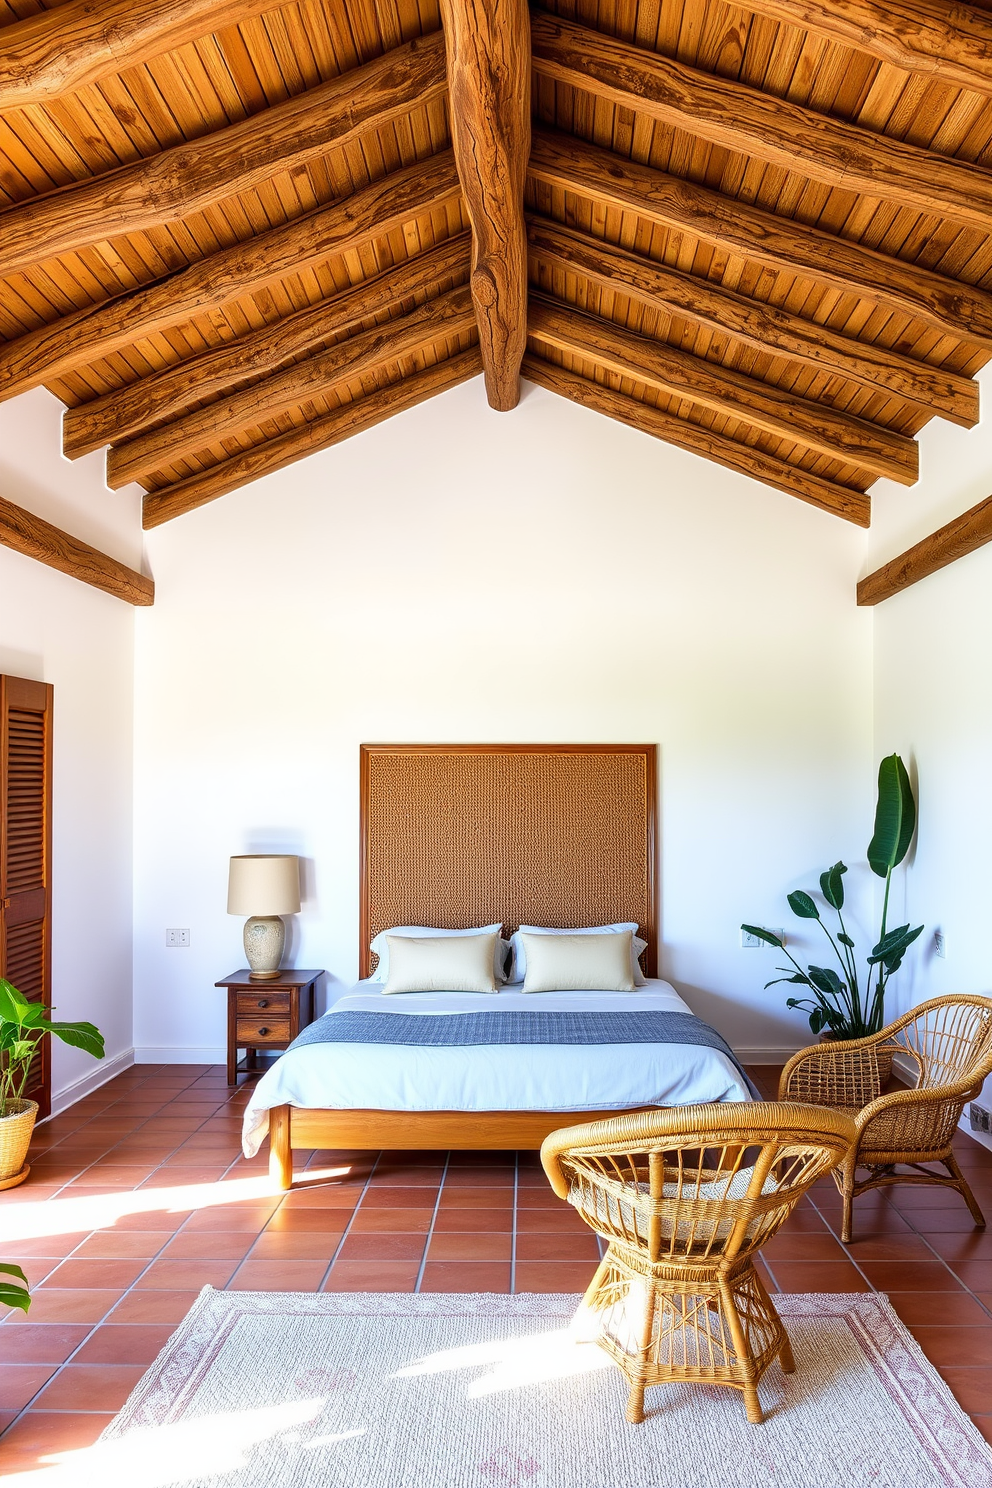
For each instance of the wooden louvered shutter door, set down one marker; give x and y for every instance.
(26, 853)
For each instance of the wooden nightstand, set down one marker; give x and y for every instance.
(265, 1015)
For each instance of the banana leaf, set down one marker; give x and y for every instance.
(802, 905)
(895, 817)
(768, 936)
(832, 886)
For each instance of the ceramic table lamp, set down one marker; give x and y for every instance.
(264, 886)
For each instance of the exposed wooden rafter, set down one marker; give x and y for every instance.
(85, 335)
(973, 529)
(123, 412)
(172, 501)
(947, 305)
(192, 176)
(853, 506)
(760, 125)
(488, 51)
(760, 326)
(133, 459)
(36, 538)
(813, 426)
(950, 41)
(86, 40)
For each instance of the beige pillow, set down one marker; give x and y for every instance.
(578, 963)
(443, 963)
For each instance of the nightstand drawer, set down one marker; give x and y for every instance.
(264, 1004)
(262, 1030)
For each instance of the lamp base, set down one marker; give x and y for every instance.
(265, 940)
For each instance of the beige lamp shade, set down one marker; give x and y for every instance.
(264, 884)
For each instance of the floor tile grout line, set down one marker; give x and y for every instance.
(430, 1228)
(347, 1229)
(513, 1233)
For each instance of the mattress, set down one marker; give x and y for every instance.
(504, 1077)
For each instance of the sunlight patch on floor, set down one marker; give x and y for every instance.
(100, 1211)
(160, 1455)
(514, 1363)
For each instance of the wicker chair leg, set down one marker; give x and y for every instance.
(745, 1358)
(951, 1163)
(847, 1191)
(785, 1357)
(635, 1400)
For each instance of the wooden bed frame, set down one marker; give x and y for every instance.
(456, 835)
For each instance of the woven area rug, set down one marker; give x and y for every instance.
(432, 1391)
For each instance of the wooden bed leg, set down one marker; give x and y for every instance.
(280, 1151)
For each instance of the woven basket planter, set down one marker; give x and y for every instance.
(15, 1138)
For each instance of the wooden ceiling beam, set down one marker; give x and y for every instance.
(172, 501)
(71, 45)
(762, 327)
(973, 529)
(84, 336)
(814, 426)
(34, 537)
(952, 43)
(134, 459)
(116, 415)
(194, 176)
(854, 506)
(488, 58)
(949, 306)
(736, 117)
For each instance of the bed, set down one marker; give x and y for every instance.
(455, 836)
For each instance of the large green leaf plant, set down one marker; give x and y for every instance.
(23, 1025)
(839, 1003)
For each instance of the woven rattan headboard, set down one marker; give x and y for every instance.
(455, 835)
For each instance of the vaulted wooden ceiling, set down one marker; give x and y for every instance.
(236, 232)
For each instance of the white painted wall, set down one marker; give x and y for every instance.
(460, 575)
(56, 629)
(933, 703)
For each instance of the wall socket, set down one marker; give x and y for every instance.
(939, 944)
(751, 942)
(177, 937)
(981, 1120)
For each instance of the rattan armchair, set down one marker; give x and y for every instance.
(686, 1197)
(947, 1045)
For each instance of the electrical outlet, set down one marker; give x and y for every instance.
(939, 944)
(177, 937)
(981, 1120)
(751, 942)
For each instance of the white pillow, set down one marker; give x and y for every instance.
(578, 963)
(518, 964)
(410, 932)
(449, 963)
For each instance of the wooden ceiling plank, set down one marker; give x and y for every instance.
(60, 50)
(950, 42)
(853, 506)
(763, 327)
(126, 410)
(86, 335)
(363, 413)
(489, 74)
(193, 176)
(737, 117)
(780, 243)
(815, 426)
(973, 529)
(34, 537)
(133, 459)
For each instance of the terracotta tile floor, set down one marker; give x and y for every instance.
(139, 1196)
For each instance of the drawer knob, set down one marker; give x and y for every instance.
(263, 1032)
(263, 1002)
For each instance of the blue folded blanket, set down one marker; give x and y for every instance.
(461, 1030)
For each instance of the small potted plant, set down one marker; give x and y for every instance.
(23, 1025)
(840, 1008)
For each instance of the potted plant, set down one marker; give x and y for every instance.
(23, 1025)
(840, 1007)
